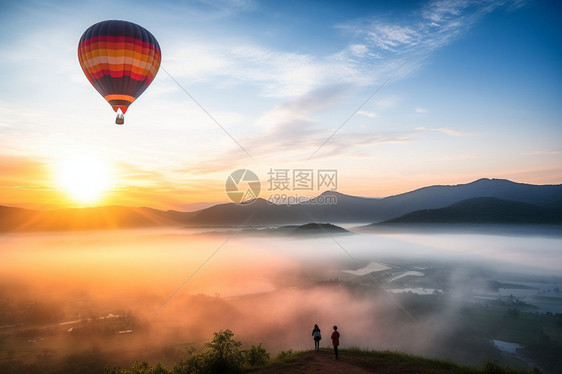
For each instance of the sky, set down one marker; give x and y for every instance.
(391, 97)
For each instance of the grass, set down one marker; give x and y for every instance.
(279, 361)
(397, 362)
(383, 362)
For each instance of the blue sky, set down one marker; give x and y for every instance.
(475, 91)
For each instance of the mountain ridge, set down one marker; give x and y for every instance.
(482, 210)
(341, 208)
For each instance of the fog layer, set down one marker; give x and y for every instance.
(145, 294)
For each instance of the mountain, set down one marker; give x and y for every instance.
(319, 228)
(336, 207)
(93, 218)
(330, 206)
(485, 210)
(12, 219)
(299, 230)
(256, 212)
(442, 196)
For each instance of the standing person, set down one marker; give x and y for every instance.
(317, 337)
(335, 341)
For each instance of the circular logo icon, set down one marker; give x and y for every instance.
(242, 186)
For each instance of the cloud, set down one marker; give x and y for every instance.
(543, 152)
(438, 24)
(289, 132)
(275, 73)
(358, 50)
(464, 156)
(388, 102)
(17, 171)
(445, 130)
(389, 37)
(367, 114)
(420, 110)
(304, 105)
(377, 48)
(206, 10)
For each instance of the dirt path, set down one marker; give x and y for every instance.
(317, 362)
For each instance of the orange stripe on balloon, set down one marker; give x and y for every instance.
(119, 97)
(128, 64)
(137, 75)
(143, 62)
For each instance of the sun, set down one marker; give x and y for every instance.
(84, 178)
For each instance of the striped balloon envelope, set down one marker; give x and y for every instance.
(120, 59)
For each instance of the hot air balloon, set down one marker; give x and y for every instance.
(120, 59)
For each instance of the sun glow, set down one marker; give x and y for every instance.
(84, 178)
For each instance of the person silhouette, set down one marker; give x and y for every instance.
(335, 341)
(317, 336)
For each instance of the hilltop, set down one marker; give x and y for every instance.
(356, 361)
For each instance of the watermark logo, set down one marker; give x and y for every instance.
(302, 179)
(286, 199)
(286, 186)
(242, 185)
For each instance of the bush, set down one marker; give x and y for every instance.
(494, 368)
(286, 355)
(220, 355)
(255, 356)
(139, 367)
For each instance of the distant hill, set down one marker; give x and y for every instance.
(330, 206)
(319, 228)
(484, 210)
(335, 207)
(94, 218)
(500, 188)
(292, 230)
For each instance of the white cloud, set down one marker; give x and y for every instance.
(206, 10)
(440, 11)
(289, 132)
(388, 102)
(445, 130)
(388, 36)
(438, 24)
(458, 157)
(376, 51)
(544, 152)
(277, 73)
(303, 106)
(421, 110)
(367, 114)
(358, 50)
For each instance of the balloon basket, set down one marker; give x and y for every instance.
(120, 119)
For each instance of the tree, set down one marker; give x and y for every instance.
(256, 356)
(220, 355)
(226, 351)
